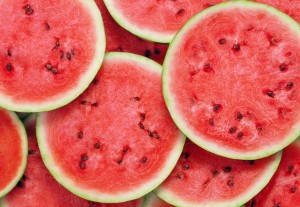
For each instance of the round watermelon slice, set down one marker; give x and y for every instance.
(13, 150)
(156, 21)
(283, 189)
(57, 53)
(120, 40)
(37, 188)
(151, 200)
(231, 84)
(116, 142)
(201, 178)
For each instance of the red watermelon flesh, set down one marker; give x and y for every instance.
(201, 178)
(290, 7)
(119, 39)
(58, 53)
(37, 188)
(13, 150)
(117, 141)
(233, 90)
(283, 189)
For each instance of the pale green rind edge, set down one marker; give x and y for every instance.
(65, 98)
(98, 196)
(24, 148)
(259, 184)
(171, 105)
(143, 33)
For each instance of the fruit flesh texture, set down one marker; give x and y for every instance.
(162, 16)
(124, 95)
(120, 40)
(253, 72)
(31, 40)
(283, 189)
(11, 149)
(290, 7)
(204, 178)
(37, 188)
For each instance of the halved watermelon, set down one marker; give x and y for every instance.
(50, 51)
(151, 200)
(117, 141)
(231, 84)
(37, 188)
(201, 178)
(283, 189)
(13, 150)
(120, 40)
(154, 20)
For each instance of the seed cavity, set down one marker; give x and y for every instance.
(97, 145)
(240, 135)
(31, 152)
(186, 155)
(57, 44)
(144, 159)
(95, 81)
(28, 9)
(147, 53)
(206, 182)
(48, 66)
(227, 169)
(119, 161)
(95, 104)
(180, 176)
(69, 56)
(283, 67)
(289, 85)
(83, 102)
(293, 189)
(252, 204)
(82, 165)
(9, 53)
(251, 162)
(215, 173)
(156, 51)
(24, 177)
(54, 70)
(150, 133)
(207, 68)
(239, 116)
(180, 12)
(230, 182)
(47, 26)
(84, 157)
(9, 67)
(20, 184)
(270, 93)
(232, 130)
(155, 135)
(136, 98)
(186, 166)
(222, 41)
(236, 47)
(259, 127)
(142, 116)
(62, 54)
(80, 134)
(217, 108)
(141, 125)
(290, 168)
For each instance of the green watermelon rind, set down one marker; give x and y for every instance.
(259, 184)
(149, 200)
(171, 103)
(94, 195)
(66, 97)
(24, 148)
(142, 33)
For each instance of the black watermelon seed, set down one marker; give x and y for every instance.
(31, 152)
(186, 155)
(97, 145)
(252, 204)
(82, 165)
(84, 157)
(155, 135)
(83, 102)
(270, 94)
(276, 205)
(181, 12)
(95, 104)
(293, 189)
(217, 107)
(251, 162)
(236, 47)
(157, 51)
(142, 116)
(80, 135)
(28, 9)
(180, 176)
(9, 67)
(290, 168)
(289, 85)
(144, 159)
(136, 98)
(230, 183)
(62, 54)
(232, 130)
(240, 135)
(150, 133)
(147, 53)
(211, 122)
(141, 125)
(95, 81)
(222, 41)
(283, 67)
(120, 161)
(227, 169)
(20, 184)
(186, 166)
(47, 26)
(48, 66)
(239, 116)
(56, 44)
(54, 71)
(215, 173)
(69, 56)
(259, 128)
(9, 53)
(24, 177)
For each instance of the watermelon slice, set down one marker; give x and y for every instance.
(117, 141)
(13, 150)
(119, 39)
(152, 200)
(283, 189)
(37, 188)
(290, 7)
(230, 84)
(57, 53)
(204, 179)
(156, 21)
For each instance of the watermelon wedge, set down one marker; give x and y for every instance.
(283, 189)
(156, 21)
(57, 53)
(204, 179)
(13, 150)
(151, 200)
(37, 188)
(230, 84)
(116, 142)
(120, 40)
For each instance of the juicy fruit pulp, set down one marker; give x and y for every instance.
(42, 66)
(13, 150)
(283, 189)
(241, 100)
(38, 188)
(204, 179)
(156, 21)
(120, 40)
(118, 130)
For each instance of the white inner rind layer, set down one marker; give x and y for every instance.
(98, 195)
(86, 78)
(144, 33)
(174, 199)
(172, 106)
(24, 150)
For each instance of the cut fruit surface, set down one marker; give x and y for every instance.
(283, 189)
(120, 40)
(231, 84)
(48, 58)
(13, 150)
(37, 188)
(115, 142)
(201, 178)
(153, 20)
